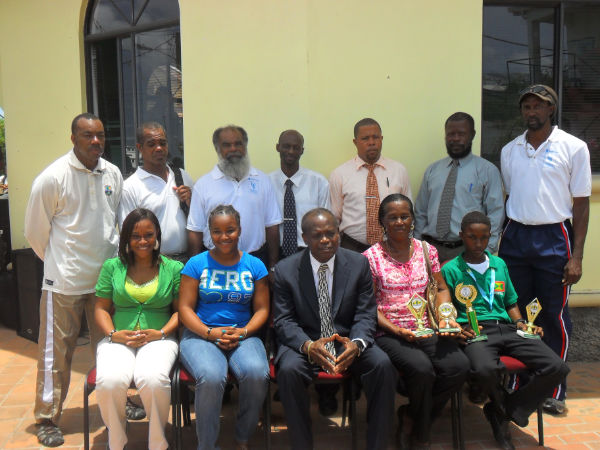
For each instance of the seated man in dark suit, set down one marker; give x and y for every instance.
(325, 317)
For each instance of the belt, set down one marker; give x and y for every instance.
(447, 244)
(352, 244)
(493, 322)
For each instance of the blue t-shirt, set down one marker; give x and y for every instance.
(225, 292)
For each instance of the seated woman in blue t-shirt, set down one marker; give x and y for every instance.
(223, 302)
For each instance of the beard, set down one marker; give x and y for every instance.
(458, 153)
(534, 124)
(236, 167)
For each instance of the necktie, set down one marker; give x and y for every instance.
(374, 232)
(325, 308)
(445, 208)
(290, 238)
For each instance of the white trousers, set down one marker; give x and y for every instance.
(148, 367)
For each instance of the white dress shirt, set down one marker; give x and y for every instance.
(311, 190)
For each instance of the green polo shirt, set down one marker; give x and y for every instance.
(155, 312)
(456, 271)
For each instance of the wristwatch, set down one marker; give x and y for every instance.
(361, 346)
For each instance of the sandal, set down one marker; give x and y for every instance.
(49, 435)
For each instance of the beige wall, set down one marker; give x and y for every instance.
(42, 89)
(268, 65)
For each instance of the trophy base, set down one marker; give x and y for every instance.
(526, 335)
(450, 330)
(423, 332)
(481, 337)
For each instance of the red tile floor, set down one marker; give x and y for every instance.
(578, 428)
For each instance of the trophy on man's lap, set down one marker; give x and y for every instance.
(466, 294)
(417, 307)
(533, 309)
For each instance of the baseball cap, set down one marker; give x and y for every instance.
(541, 91)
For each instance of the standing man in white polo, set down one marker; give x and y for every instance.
(233, 181)
(548, 180)
(70, 223)
(154, 186)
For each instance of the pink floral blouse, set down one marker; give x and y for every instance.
(395, 282)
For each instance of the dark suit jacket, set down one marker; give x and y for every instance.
(296, 306)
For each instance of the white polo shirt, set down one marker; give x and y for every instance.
(145, 190)
(253, 197)
(311, 190)
(71, 222)
(542, 183)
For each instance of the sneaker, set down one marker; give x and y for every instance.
(133, 411)
(554, 406)
(49, 435)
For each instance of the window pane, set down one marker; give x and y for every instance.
(111, 15)
(157, 10)
(518, 49)
(159, 85)
(128, 87)
(105, 92)
(581, 77)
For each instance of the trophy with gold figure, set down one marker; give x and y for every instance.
(466, 294)
(417, 307)
(533, 309)
(447, 312)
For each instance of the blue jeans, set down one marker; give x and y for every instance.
(208, 364)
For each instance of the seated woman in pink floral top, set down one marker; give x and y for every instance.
(432, 368)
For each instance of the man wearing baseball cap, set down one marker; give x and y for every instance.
(548, 180)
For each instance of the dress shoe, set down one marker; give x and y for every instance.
(554, 406)
(499, 425)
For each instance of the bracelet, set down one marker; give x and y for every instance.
(520, 321)
(243, 336)
(163, 335)
(110, 335)
(208, 333)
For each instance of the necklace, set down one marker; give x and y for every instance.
(390, 251)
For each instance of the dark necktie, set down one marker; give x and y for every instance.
(327, 329)
(374, 231)
(445, 208)
(290, 237)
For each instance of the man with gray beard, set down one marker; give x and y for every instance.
(233, 181)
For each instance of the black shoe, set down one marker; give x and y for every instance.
(475, 394)
(328, 404)
(554, 406)
(499, 425)
(49, 435)
(133, 411)
(402, 439)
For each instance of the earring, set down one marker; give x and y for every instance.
(411, 233)
(385, 234)
(126, 248)
(157, 245)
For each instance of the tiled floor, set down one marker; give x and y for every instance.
(578, 428)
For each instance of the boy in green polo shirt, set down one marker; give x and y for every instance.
(499, 319)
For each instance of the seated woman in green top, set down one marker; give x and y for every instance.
(136, 303)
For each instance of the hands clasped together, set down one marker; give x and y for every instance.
(227, 338)
(318, 354)
(136, 338)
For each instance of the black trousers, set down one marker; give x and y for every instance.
(546, 369)
(431, 370)
(376, 374)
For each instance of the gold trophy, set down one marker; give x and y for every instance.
(466, 294)
(447, 311)
(417, 307)
(533, 309)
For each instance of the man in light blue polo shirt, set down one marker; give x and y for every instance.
(233, 181)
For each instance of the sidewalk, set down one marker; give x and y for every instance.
(579, 428)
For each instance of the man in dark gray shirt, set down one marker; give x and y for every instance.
(454, 186)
